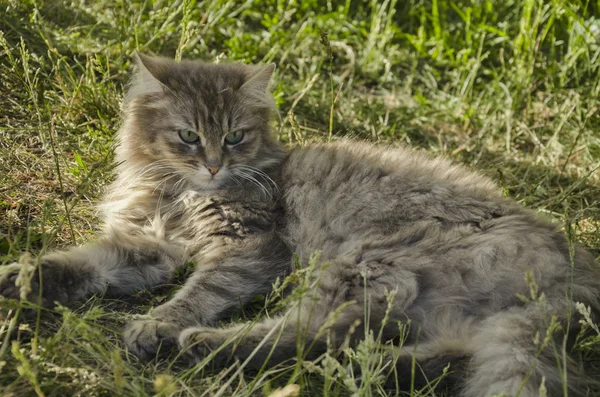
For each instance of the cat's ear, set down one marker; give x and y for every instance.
(257, 82)
(258, 78)
(151, 72)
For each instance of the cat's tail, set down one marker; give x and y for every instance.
(522, 351)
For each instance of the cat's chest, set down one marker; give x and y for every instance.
(202, 223)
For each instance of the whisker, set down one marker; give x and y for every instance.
(260, 173)
(248, 170)
(164, 181)
(250, 178)
(179, 182)
(232, 176)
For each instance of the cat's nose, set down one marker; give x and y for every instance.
(213, 169)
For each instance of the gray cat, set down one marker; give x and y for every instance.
(201, 178)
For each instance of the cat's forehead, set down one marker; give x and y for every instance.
(210, 79)
(203, 94)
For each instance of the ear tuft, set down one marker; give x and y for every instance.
(260, 77)
(153, 65)
(146, 79)
(256, 87)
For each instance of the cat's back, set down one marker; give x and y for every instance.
(370, 182)
(346, 191)
(329, 164)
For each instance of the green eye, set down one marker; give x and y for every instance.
(188, 136)
(233, 138)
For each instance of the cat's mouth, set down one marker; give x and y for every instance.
(205, 180)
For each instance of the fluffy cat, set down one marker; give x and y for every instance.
(201, 178)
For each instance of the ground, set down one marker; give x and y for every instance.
(510, 88)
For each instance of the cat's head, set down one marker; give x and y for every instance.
(205, 123)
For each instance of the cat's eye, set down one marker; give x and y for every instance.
(235, 137)
(188, 136)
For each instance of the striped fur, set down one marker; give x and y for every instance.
(453, 249)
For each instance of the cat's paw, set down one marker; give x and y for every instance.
(22, 281)
(150, 338)
(198, 343)
(12, 278)
(19, 280)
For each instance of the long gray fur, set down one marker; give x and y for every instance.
(383, 219)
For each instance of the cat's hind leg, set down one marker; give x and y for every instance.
(428, 369)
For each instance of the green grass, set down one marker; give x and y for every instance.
(510, 88)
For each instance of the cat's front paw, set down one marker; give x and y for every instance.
(22, 281)
(150, 338)
(198, 343)
(16, 280)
